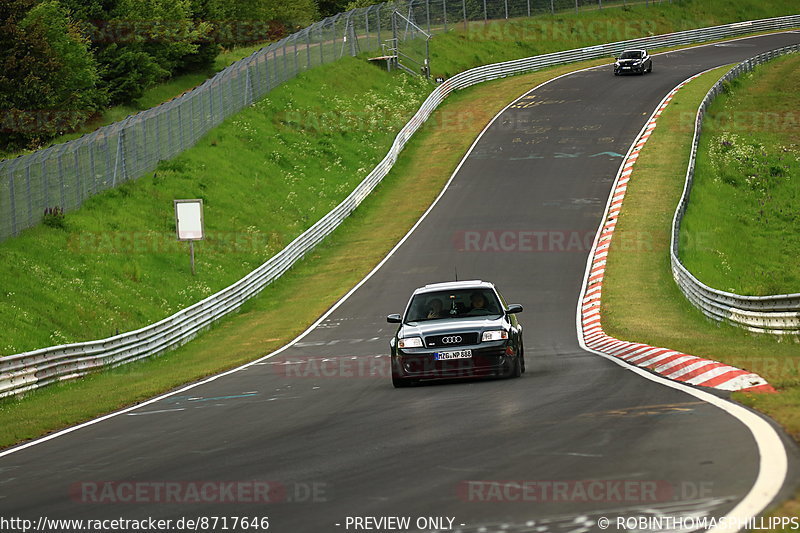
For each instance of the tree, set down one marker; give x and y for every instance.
(331, 7)
(48, 77)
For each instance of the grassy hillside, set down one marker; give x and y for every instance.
(744, 210)
(265, 175)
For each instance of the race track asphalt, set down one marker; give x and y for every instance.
(321, 420)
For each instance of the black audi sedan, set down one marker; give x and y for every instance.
(456, 330)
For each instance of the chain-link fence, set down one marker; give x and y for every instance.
(65, 175)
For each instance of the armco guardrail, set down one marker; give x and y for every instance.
(33, 369)
(778, 314)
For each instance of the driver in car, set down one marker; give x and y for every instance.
(435, 308)
(478, 303)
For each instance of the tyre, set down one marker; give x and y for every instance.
(401, 383)
(522, 358)
(516, 369)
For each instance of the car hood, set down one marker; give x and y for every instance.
(627, 61)
(440, 327)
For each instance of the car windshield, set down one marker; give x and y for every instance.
(632, 54)
(461, 303)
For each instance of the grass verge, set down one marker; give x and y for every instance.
(747, 186)
(286, 307)
(642, 303)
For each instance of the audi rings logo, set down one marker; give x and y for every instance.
(455, 339)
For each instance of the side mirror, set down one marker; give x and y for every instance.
(393, 319)
(514, 309)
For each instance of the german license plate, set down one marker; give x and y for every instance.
(456, 354)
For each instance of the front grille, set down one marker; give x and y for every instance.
(451, 339)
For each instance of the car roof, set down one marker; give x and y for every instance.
(470, 284)
(635, 50)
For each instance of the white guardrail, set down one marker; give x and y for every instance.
(30, 370)
(778, 314)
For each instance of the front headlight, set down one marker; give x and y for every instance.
(496, 335)
(411, 342)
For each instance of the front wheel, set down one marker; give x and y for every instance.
(401, 383)
(516, 368)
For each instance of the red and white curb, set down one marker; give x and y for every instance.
(668, 363)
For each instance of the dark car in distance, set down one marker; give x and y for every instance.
(459, 329)
(633, 62)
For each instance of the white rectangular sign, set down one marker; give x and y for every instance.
(189, 219)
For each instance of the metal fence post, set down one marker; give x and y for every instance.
(12, 197)
(464, 9)
(485, 15)
(552, 8)
(505, 2)
(322, 43)
(28, 190)
(296, 65)
(285, 57)
(61, 185)
(366, 22)
(378, 12)
(444, 11)
(308, 48)
(428, 14)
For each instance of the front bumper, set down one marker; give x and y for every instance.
(486, 361)
(629, 69)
